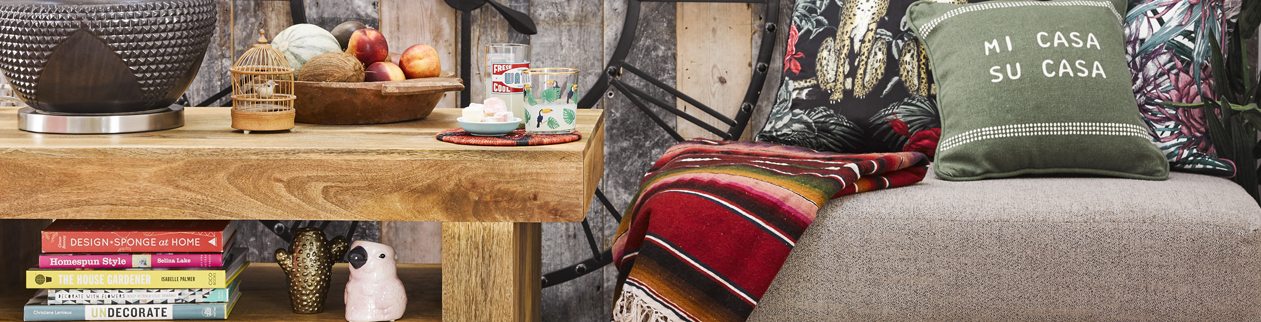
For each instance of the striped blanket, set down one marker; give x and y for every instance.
(714, 221)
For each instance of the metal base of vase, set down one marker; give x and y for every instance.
(32, 120)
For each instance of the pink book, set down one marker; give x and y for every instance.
(130, 260)
(136, 236)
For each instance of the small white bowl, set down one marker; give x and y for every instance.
(488, 128)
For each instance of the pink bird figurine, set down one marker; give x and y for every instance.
(373, 292)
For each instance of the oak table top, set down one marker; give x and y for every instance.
(385, 172)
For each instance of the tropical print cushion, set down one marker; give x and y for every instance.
(1168, 48)
(856, 79)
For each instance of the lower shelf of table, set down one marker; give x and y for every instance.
(265, 296)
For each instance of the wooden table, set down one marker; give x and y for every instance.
(491, 200)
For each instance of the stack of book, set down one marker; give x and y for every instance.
(135, 270)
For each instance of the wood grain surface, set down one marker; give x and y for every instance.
(204, 170)
(265, 297)
(714, 64)
(775, 75)
(492, 271)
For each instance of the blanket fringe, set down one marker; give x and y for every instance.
(631, 308)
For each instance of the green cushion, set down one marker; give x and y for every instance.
(1034, 88)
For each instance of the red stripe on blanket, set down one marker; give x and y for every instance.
(720, 219)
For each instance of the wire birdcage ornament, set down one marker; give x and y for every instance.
(262, 90)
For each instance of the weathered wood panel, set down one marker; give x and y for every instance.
(213, 76)
(408, 22)
(489, 27)
(330, 13)
(714, 66)
(251, 15)
(774, 76)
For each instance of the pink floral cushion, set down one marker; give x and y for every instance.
(1168, 47)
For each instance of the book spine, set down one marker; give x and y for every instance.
(89, 261)
(131, 242)
(63, 279)
(139, 296)
(188, 260)
(205, 311)
(131, 260)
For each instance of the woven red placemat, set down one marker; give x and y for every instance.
(514, 138)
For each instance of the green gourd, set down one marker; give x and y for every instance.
(299, 43)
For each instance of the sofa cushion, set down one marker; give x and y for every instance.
(1026, 249)
(1034, 87)
(850, 68)
(1167, 43)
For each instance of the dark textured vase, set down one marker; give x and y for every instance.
(103, 56)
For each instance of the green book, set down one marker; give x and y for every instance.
(38, 309)
(141, 295)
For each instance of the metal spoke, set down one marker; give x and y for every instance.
(677, 93)
(629, 28)
(653, 116)
(350, 232)
(678, 112)
(608, 205)
(595, 250)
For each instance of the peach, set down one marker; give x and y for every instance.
(420, 61)
(369, 46)
(383, 71)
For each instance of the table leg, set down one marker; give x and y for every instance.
(491, 271)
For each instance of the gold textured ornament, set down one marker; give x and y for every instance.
(309, 264)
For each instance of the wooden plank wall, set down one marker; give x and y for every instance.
(706, 50)
(715, 73)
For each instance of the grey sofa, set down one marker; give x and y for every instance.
(1028, 249)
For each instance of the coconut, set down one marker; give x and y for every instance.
(332, 67)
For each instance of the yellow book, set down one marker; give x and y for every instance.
(169, 278)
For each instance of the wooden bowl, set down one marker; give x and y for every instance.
(370, 102)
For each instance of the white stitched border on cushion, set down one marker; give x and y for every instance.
(927, 27)
(1045, 129)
